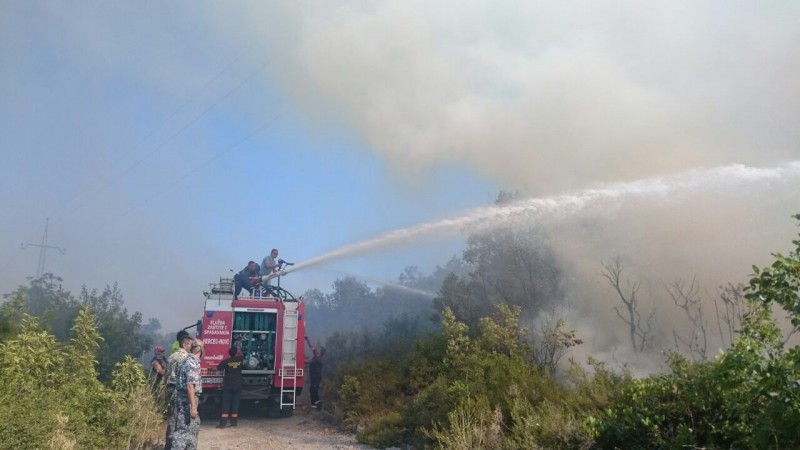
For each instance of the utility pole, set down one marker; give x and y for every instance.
(43, 249)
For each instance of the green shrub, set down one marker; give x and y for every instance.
(548, 425)
(53, 399)
(471, 425)
(654, 412)
(384, 431)
(456, 390)
(567, 418)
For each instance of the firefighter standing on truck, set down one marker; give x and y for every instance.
(231, 387)
(269, 264)
(246, 279)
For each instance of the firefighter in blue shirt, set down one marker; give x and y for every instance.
(185, 419)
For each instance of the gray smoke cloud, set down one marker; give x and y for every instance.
(547, 95)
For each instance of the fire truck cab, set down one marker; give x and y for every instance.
(269, 328)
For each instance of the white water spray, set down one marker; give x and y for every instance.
(560, 206)
(388, 284)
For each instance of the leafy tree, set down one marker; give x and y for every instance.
(56, 309)
(413, 278)
(121, 331)
(351, 294)
(53, 399)
(353, 305)
(46, 299)
(11, 313)
(552, 345)
(316, 299)
(152, 327)
(464, 299)
(512, 264)
(508, 264)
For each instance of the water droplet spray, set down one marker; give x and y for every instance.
(561, 206)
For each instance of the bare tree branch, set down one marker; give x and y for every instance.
(688, 299)
(640, 333)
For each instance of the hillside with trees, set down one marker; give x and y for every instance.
(70, 370)
(472, 376)
(461, 370)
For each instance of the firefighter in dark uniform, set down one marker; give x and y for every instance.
(315, 373)
(231, 387)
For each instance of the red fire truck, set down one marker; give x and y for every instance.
(269, 327)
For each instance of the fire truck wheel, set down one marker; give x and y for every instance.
(273, 408)
(287, 411)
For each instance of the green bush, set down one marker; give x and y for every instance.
(548, 425)
(679, 408)
(433, 394)
(568, 418)
(480, 388)
(386, 430)
(53, 399)
(472, 424)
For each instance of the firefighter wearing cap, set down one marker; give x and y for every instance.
(158, 366)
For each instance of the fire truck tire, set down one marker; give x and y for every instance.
(273, 408)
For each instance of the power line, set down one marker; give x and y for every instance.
(196, 169)
(173, 136)
(65, 211)
(109, 181)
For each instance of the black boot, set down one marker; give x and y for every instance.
(234, 421)
(222, 423)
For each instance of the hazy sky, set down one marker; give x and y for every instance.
(171, 141)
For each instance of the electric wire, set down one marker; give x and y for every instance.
(109, 179)
(95, 193)
(180, 179)
(178, 133)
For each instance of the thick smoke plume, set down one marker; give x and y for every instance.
(545, 96)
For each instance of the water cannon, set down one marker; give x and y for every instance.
(283, 269)
(265, 278)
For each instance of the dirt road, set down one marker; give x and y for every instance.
(303, 431)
